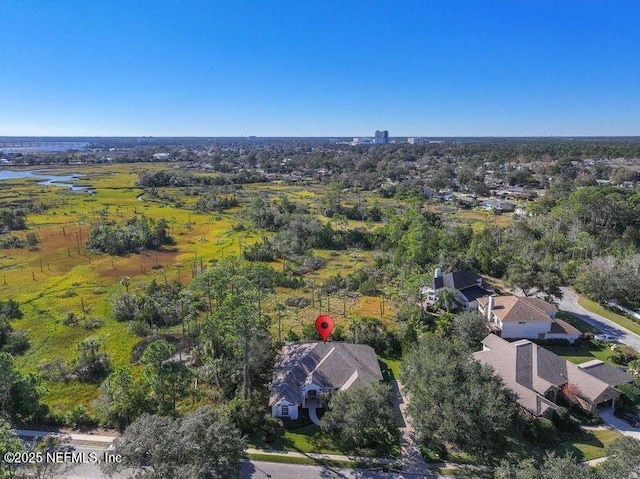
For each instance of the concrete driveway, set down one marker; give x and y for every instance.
(569, 303)
(622, 426)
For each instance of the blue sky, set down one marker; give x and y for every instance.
(319, 68)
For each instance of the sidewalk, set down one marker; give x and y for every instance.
(74, 437)
(328, 457)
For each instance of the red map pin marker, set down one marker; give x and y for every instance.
(324, 325)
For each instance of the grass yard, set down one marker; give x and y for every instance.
(577, 323)
(585, 445)
(390, 367)
(597, 308)
(582, 352)
(310, 439)
(589, 446)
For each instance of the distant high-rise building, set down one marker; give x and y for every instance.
(381, 137)
(415, 141)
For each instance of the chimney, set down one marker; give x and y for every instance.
(438, 273)
(490, 305)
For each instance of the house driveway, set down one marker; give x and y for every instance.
(569, 302)
(622, 426)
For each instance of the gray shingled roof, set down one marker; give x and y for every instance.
(605, 372)
(457, 280)
(329, 365)
(525, 366)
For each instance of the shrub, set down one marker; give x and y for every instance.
(291, 336)
(70, 319)
(631, 393)
(543, 431)
(298, 302)
(139, 328)
(623, 354)
(91, 323)
(17, 342)
(78, 417)
(563, 420)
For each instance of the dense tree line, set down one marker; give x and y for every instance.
(135, 235)
(12, 341)
(12, 219)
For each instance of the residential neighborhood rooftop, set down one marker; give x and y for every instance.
(517, 309)
(331, 365)
(536, 375)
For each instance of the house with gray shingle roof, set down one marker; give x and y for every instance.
(304, 370)
(537, 376)
(469, 286)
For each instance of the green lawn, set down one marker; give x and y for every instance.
(390, 367)
(312, 439)
(577, 323)
(582, 352)
(602, 311)
(588, 446)
(301, 460)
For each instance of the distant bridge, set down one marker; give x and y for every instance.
(42, 144)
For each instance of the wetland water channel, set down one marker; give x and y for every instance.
(64, 181)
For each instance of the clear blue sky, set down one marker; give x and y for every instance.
(319, 68)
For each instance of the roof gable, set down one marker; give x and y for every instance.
(524, 365)
(331, 365)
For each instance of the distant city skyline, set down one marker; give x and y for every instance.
(444, 68)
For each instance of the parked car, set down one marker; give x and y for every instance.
(605, 337)
(631, 419)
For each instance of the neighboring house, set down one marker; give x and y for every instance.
(469, 287)
(537, 376)
(522, 317)
(304, 370)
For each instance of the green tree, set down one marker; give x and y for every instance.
(471, 328)
(169, 379)
(203, 445)
(19, 393)
(361, 416)
(9, 442)
(455, 399)
(622, 459)
(122, 399)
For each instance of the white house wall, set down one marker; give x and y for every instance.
(531, 330)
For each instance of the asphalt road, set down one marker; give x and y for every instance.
(252, 470)
(569, 303)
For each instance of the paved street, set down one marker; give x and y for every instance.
(252, 470)
(569, 303)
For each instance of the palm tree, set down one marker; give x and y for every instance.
(447, 298)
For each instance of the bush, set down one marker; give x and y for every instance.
(552, 342)
(623, 354)
(563, 420)
(17, 343)
(91, 323)
(543, 431)
(630, 393)
(291, 336)
(139, 328)
(125, 307)
(288, 280)
(70, 319)
(78, 418)
(298, 302)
